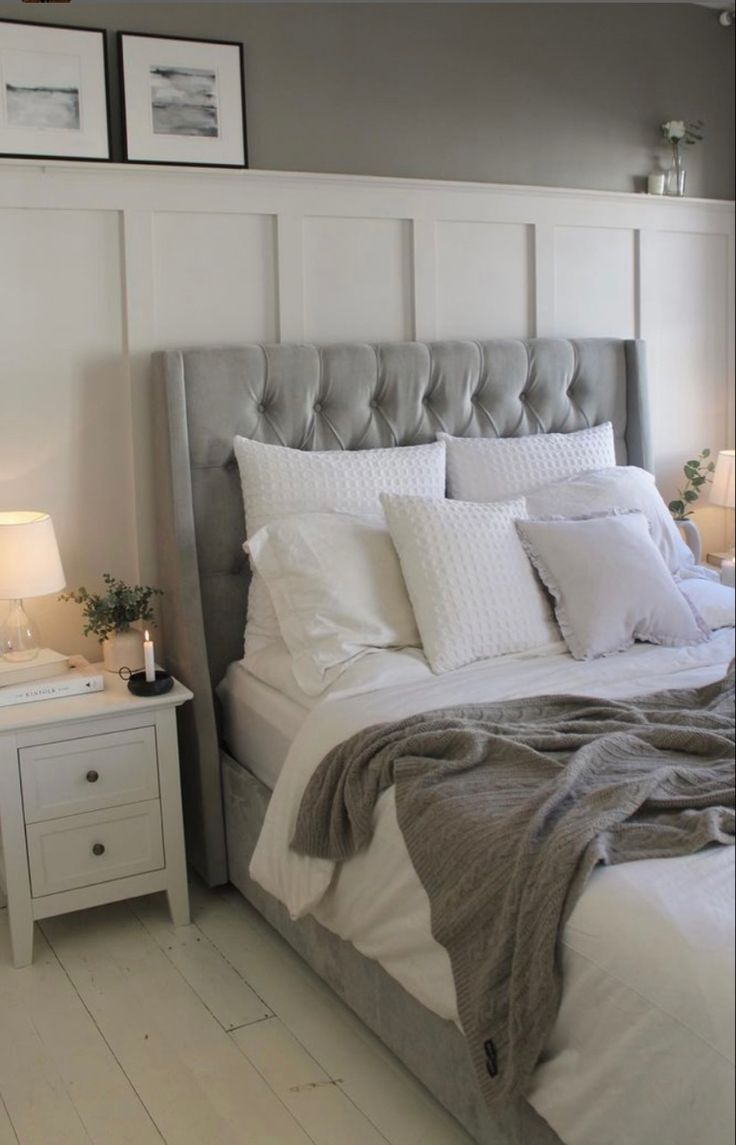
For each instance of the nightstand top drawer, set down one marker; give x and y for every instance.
(88, 772)
(87, 849)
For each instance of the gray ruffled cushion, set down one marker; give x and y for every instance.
(609, 583)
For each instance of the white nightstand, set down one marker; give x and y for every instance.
(90, 805)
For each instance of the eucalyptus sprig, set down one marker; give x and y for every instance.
(698, 472)
(116, 609)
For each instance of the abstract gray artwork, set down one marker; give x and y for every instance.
(42, 89)
(43, 107)
(184, 101)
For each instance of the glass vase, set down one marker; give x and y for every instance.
(677, 175)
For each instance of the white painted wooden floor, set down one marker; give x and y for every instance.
(125, 1031)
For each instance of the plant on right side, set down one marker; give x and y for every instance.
(698, 472)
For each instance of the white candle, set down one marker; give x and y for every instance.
(728, 573)
(656, 183)
(148, 659)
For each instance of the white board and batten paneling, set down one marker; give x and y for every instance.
(101, 264)
(484, 279)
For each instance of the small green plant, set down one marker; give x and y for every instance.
(698, 473)
(113, 610)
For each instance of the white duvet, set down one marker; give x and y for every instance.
(643, 1048)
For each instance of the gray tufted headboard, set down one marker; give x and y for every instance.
(352, 396)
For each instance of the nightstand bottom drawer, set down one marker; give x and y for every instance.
(81, 850)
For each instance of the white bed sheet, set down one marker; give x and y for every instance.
(260, 723)
(643, 1045)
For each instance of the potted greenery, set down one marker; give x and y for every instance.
(698, 472)
(110, 615)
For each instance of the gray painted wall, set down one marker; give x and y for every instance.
(550, 94)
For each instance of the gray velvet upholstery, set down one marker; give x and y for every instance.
(431, 1047)
(353, 396)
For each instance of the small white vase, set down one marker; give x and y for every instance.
(123, 649)
(691, 536)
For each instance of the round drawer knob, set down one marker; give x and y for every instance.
(98, 848)
(92, 776)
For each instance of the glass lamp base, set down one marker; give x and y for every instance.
(19, 637)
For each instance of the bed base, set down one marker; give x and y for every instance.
(432, 1048)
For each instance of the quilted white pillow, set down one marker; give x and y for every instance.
(336, 585)
(494, 468)
(280, 482)
(621, 487)
(474, 592)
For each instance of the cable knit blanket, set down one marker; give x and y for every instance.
(506, 808)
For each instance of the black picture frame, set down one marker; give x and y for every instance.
(198, 144)
(94, 86)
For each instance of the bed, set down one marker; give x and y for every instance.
(357, 397)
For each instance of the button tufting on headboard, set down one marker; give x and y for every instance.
(353, 396)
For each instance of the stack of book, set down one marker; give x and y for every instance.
(49, 676)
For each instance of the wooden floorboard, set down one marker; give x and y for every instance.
(129, 1031)
(375, 1081)
(59, 1080)
(191, 1077)
(222, 990)
(316, 1101)
(8, 1136)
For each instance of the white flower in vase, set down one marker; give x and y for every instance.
(674, 130)
(678, 132)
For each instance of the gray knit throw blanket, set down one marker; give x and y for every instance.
(506, 808)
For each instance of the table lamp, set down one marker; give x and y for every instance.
(723, 488)
(30, 565)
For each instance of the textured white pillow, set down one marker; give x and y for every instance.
(473, 590)
(493, 468)
(610, 584)
(280, 482)
(715, 602)
(336, 585)
(620, 487)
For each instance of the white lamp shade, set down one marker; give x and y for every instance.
(723, 491)
(30, 564)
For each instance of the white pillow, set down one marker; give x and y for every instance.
(494, 468)
(336, 585)
(280, 482)
(610, 584)
(621, 487)
(473, 590)
(715, 602)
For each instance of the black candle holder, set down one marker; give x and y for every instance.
(140, 686)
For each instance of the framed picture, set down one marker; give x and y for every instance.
(183, 101)
(53, 92)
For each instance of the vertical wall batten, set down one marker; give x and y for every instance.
(544, 280)
(290, 277)
(425, 278)
(138, 332)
